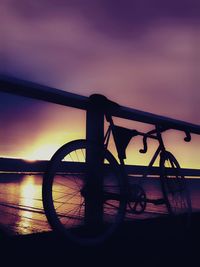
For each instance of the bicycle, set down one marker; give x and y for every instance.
(86, 192)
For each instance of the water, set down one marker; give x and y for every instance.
(21, 208)
(153, 190)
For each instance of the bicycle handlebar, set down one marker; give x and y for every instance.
(144, 150)
(150, 135)
(145, 136)
(188, 136)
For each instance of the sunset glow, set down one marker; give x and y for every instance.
(139, 57)
(77, 182)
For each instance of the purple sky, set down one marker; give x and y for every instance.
(143, 54)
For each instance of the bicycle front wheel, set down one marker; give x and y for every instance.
(65, 194)
(174, 186)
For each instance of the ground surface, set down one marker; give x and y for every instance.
(154, 242)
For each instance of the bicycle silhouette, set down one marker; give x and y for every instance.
(86, 192)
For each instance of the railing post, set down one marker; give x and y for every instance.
(94, 182)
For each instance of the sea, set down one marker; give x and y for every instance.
(21, 207)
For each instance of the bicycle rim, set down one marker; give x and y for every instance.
(174, 186)
(66, 203)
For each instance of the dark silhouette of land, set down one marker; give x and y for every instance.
(39, 166)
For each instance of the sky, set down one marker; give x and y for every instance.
(143, 54)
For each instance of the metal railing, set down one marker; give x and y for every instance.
(52, 95)
(94, 119)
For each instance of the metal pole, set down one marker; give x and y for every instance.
(94, 182)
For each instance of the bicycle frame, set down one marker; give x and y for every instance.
(155, 134)
(113, 129)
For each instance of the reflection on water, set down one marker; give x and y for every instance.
(21, 208)
(29, 194)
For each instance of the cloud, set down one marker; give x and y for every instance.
(143, 54)
(62, 45)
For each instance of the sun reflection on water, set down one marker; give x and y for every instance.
(30, 194)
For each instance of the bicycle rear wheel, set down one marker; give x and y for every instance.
(65, 194)
(174, 186)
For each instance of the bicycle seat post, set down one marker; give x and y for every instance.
(159, 136)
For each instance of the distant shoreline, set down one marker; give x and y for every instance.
(17, 173)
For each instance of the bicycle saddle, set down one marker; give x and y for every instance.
(103, 102)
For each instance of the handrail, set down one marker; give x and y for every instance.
(41, 92)
(53, 95)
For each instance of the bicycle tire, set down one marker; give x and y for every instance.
(174, 186)
(62, 193)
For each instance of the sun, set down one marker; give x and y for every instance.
(42, 152)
